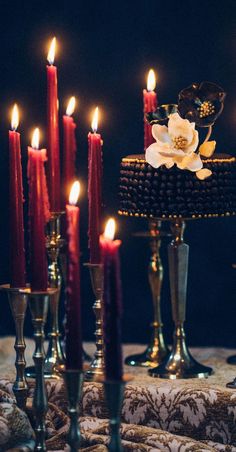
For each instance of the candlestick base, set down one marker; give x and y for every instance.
(96, 367)
(73, 382)
(18, 305)
(38, 303)
(114, 392)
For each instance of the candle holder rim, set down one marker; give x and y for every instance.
(56, 214)
(7, 288)
(90, 265)
(35, 293)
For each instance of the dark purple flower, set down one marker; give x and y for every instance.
(161, 114)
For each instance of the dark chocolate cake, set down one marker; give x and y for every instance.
(170, 193)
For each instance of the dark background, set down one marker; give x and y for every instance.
(105, 51)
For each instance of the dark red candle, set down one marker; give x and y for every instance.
(73, 303)
(39, 214)
(149, 104)
(69, 150)
(94, 190)
(112, 305)
(17, 246)
(53, 163)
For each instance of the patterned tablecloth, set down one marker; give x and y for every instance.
(157, 415)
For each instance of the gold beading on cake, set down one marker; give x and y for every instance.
(229, 159)
(169, 217)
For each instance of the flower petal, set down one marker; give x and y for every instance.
(191, 162)
(178, 127)
(207, 148)
(203, 173)
(155, 159)
(160, 133)
(194, 144)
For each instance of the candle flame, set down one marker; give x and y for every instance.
(71, 106)
(94, 124)
(151, 80)
(35, 138)
(15, 117)
(74, 193)
(110, 229)
(52, 50)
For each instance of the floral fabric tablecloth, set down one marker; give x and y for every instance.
(157, 415)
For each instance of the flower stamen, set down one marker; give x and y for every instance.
(180, 142)
(206, 109)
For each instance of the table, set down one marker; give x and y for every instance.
(157, 415)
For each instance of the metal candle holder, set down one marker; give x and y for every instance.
(38, 303)
(157, 349)
(18, 305)
(114, 392)
(232, 359)
(180, 363)
(96, 367)
(73, 382)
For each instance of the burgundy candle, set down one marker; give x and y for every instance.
(73, 303)
(94, 190)
(17, 247)
(39, 214)
(53, 164)
(112, 305)
(69, 150)
(149, 104)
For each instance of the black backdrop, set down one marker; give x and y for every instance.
(105, 51)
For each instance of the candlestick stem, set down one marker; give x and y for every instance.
(38, 303)
(96, 367)
(18, 305)
(114, 391)
(73, 382)
(180, 363)
(157, 349)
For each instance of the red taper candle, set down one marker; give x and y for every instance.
(53, 163)
(94, 190)
(69, 150)
(17, 246)
(39, 214)
(73, 303)
(149, 105)
(112, 304)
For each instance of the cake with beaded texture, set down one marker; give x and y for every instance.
(177, 177)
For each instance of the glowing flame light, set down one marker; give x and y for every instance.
(110, 229)
(52, 50)
(71, 106)
(94, 124)
(151, 80)
(15, 118)
(35, 139)
(74, 193)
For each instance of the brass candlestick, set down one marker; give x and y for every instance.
(96, 367)
(157, 349)
(38, 303)
(18, 305)
(180, 363)
(73, 382)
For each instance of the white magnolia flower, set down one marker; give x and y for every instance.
(175, 144)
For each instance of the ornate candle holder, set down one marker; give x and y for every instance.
(18, 305)
(73, 382)
(38, 303)
(114, 392)
(180, 363)
(232, 359)
(96, 367)
(156, 350)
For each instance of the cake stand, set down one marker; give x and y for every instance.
(180, 363)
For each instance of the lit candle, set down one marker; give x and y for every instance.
(39, 214)
(69, 149)
(53, 164)
(73, 304)
(17, 251)
(112, 305)
(149, 104)
(94, 189)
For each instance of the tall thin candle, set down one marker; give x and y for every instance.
(53, 164)
(69, 150)
(112, 305)
(94, 189)
(39, 214)
(17, 251)
(73, 303)
(149, 104)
